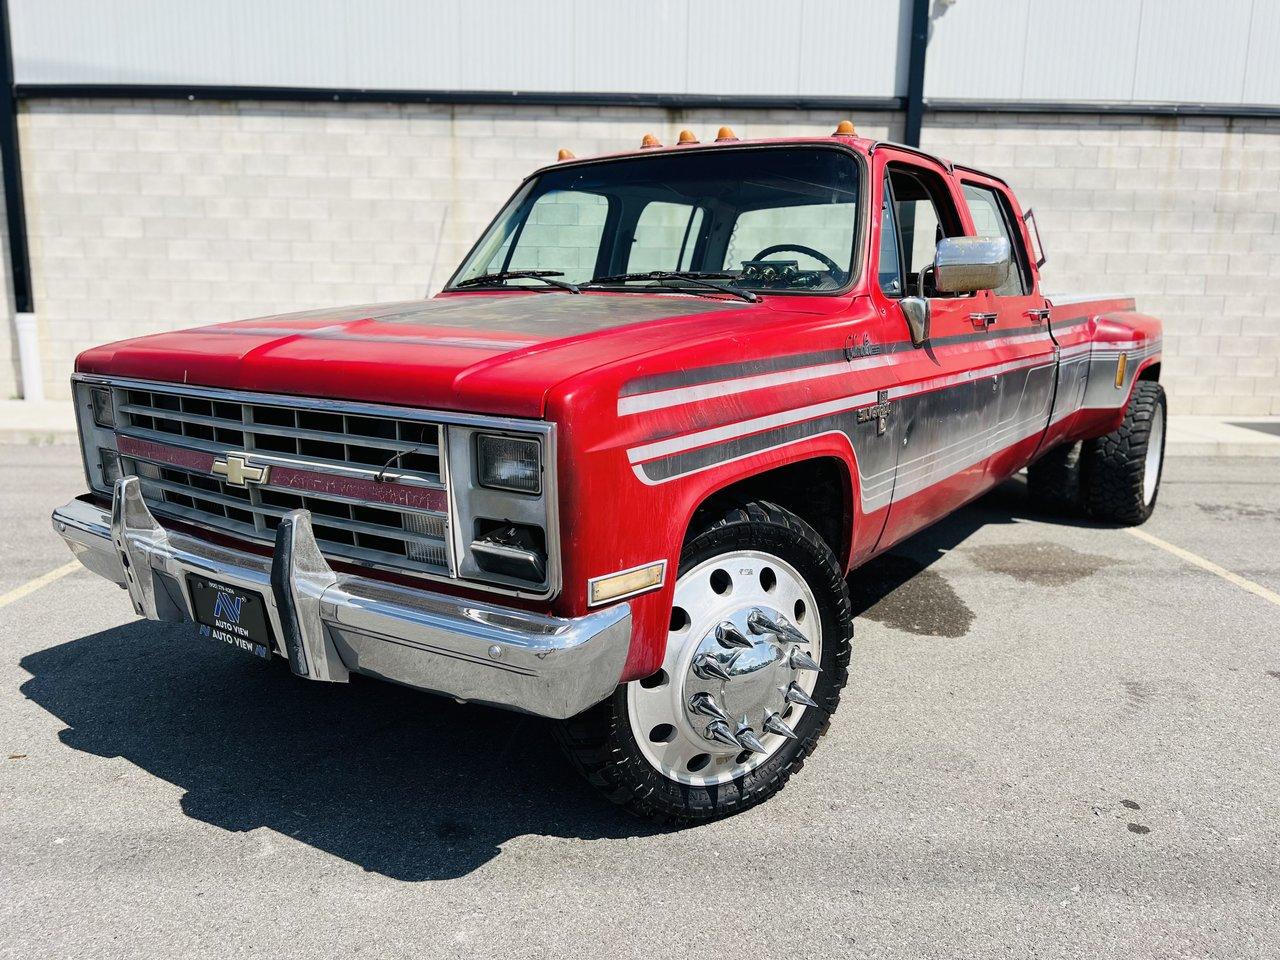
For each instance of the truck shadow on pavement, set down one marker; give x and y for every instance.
(404, 784)
(400, 783)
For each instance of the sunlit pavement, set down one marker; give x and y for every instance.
(1058, 740)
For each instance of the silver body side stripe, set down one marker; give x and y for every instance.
(930, 411)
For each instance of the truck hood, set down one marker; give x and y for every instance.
(480, 353)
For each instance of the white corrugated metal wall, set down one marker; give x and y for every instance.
(670, 46)
(1090, 50)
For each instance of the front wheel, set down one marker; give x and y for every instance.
(1120, 473)
(756, 657)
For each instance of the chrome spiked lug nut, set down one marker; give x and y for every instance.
(800, 660)
(731, 636)
(748, 739)
(705, 705)
(720, 731)
(708, 667)
(760, 622)
(773, 723)
(793, 694)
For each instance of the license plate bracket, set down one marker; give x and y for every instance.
(236, 616)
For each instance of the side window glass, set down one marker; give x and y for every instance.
(562, 232)
(925, 214)
(890, 261)
(991, 220)
(665, 237)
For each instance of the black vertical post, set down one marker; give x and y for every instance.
(915, 72)
(14, 208)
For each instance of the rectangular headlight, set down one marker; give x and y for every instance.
(509, 463)
(104, 414)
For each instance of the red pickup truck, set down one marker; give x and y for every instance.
(617, 472)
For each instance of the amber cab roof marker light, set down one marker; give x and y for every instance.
(725, 133)
(649, 141)
(565, 154)
(687, 136)
(845, 129)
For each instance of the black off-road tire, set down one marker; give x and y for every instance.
(1053, 481)
(602, 745)
(1114, 467)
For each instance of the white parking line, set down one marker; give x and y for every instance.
(31, 586)
(1245, 584)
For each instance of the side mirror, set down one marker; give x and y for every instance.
(916, 310)
(968, 264)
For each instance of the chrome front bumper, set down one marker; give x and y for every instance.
(328, 624)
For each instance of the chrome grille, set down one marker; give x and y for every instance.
(322, 439)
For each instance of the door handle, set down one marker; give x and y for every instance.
(1039, 314)
(981, 321)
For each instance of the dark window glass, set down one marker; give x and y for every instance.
(740, 211)
(991, 219)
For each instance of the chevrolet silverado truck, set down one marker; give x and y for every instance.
(617, 472)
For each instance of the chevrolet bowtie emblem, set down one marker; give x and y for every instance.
(238, 471)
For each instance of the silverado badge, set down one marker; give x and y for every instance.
(879, 412)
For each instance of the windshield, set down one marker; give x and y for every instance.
(774, 219)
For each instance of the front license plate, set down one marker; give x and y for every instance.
(234, 616)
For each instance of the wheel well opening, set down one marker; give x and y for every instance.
(1150, 373)
(816, 491)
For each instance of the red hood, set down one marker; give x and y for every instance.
(481, 353)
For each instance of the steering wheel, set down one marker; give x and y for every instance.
(831, 265)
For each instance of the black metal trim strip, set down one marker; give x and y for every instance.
(673, 101)
(1118, 108)
(10, 157)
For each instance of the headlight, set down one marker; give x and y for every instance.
(509, 463)
(104, 414)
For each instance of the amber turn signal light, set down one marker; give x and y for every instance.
(625, 583)
(687, 136)
(649, 141)
(565, 154)
(845, 129)
(725, 133)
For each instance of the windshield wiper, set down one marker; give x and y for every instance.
(672, 279)
(498, 279)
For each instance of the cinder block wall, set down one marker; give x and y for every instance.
(1183, 213)
(154, 215)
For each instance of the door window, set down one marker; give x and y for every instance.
(991, 219)
(890, 262)
(924, 213)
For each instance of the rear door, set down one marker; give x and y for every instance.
(939, 413)
(1021, 351)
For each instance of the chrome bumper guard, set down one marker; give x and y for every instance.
(329, 624)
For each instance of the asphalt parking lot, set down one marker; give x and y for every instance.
(1058, 741)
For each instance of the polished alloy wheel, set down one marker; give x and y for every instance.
(740, 669)
(1155, 456)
